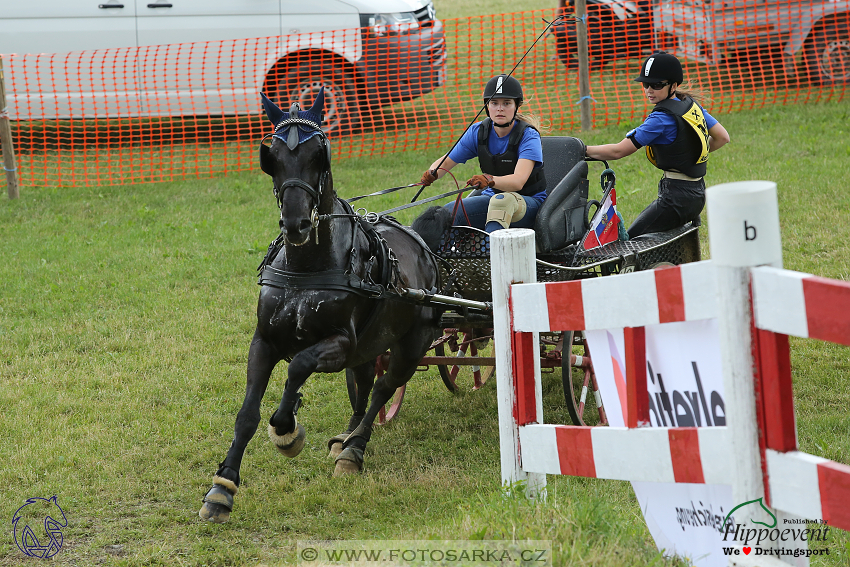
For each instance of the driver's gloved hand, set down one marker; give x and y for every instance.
(480, 181)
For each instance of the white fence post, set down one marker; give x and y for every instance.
(743, 229)
(512, 260)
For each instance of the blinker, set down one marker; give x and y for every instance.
(265, 160)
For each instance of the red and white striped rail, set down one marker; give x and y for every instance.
(802, 305)
(686, 454)
(775, 303)
(678, 293)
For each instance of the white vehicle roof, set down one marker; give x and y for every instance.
(386, 6)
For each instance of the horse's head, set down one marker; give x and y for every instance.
(299, 161)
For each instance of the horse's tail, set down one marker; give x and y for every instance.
(432, 224)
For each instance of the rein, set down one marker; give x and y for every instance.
(423, 201)
(383, 192)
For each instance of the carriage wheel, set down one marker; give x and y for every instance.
(577, 385)
(465, 343)
(392, 407)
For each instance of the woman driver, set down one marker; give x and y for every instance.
(507, 144)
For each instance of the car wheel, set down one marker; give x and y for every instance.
(302, 82)
(828, 53)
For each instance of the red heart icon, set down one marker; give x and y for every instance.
(747, 550)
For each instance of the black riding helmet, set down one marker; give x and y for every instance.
(659, 67)
(502, 86)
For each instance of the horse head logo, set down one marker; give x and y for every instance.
(758, 501)
(39, 511)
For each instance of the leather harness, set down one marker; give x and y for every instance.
(343, 280)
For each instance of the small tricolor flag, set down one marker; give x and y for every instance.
(603, 227)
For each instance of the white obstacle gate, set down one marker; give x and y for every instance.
(756, 308)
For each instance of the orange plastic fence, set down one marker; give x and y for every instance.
(158, 113)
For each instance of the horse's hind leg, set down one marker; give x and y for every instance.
(218, 501)
(326, 356)
(359, 380)
(404, 359)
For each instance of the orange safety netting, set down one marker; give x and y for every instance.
(167, 112)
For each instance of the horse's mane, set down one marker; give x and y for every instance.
(431, 225)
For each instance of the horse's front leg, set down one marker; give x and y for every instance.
(328, 355)
(218, 501)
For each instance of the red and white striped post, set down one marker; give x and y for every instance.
(512, 260)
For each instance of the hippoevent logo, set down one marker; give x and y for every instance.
(39, 512)
(773, 538)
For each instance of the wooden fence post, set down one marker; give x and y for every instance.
(512, 260)
(6, 141)
(583, 65)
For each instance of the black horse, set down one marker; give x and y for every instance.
(324, 303)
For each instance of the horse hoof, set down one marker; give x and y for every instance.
(350, 461)
(215, 513)
(218, 503)
(291, 443)
(335, 449)
(335, 445)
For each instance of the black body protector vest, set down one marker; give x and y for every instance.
(688, 154)
(505, 163)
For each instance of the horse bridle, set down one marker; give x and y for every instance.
(292, 141)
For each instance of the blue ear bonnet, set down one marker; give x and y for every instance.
(296, 126)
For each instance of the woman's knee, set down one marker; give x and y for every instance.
(527, 220)
(506, 209)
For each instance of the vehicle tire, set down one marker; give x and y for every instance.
(608, 37)
(301, 83)
(827, 53)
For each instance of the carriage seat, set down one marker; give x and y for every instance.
(562, 218)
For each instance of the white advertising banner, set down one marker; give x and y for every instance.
(685, 387)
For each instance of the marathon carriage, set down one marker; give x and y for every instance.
(561, 223)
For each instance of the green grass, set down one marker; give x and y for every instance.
(447, 10)
(125, 318)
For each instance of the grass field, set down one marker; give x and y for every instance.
(125, 318)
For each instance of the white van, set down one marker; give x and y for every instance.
(153, 58)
